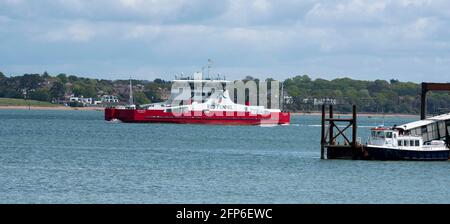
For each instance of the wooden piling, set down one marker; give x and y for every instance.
(322, 139)
(350, 149)
(354, 128)
(331, 129)
(423, 102)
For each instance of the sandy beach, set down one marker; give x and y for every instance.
(51, 108)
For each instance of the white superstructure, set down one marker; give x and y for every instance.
(392, 139)
(218, 102)
(429, 129)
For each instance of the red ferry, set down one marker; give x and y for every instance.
(216, 109)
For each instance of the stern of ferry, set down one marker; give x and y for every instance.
(110, 113)
(285, 118)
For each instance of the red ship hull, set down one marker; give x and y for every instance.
(213, 118)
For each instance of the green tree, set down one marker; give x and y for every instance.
(40, 95)
(2, 76)
(90, 91)
(80, 89)
(140, 98)
(405, 89)
(77, 90)
(58, 90)
(62, 78)
(378, 86)
(394, 81)
(72, 78)
(45, 75)
(9, 92)
(153, 92)
(30, 81)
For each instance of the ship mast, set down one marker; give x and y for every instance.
(282, 96)
(210, 62)
(131, 93)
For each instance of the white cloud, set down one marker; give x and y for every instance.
(78, 31)
(143, 31)
(261, 5)
(353, 11)
(420, 28)
(415, 3)
(284, 34)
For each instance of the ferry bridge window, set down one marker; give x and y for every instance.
(411, 143)
(417, 143)
(400, 143)
(406, 143)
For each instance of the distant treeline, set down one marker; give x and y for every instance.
(379, 96)
(44, 87)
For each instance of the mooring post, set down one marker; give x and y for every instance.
(447, 134)
(355, 128)
(322, 139)
(331, 125)
(423, 102)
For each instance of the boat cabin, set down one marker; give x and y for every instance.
(392, 138)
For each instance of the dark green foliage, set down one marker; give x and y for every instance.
(6, 92)
(152, 92)
(30, 81)
(159, 81)
(40, 95)
(58, 90)
(140, 98)
(47, 88)
(45, 75)
(377, 96)
(72, 78)
(62, 78)
(86, 90)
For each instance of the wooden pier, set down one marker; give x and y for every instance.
(434, 128)
(331, 147)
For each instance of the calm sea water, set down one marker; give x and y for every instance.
(76, 157)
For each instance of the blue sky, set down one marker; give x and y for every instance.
(382, 39)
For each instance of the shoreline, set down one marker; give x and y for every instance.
(64, 108)
(61, 108)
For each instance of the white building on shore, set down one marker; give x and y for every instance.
(109, 99)
(85, 101)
